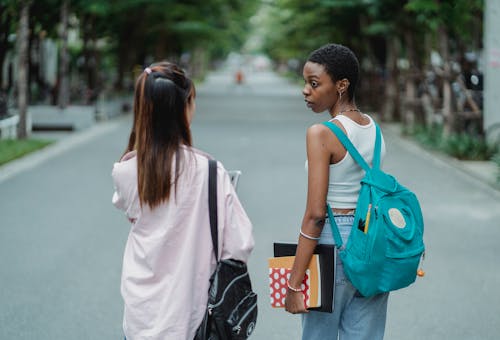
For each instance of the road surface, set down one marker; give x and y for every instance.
(61, 240)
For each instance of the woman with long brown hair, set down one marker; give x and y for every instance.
(161, 183)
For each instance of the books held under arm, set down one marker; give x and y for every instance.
(318, 282)
(279, 273)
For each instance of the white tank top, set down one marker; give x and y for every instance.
(345, 176)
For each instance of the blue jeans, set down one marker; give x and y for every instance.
(354, 317)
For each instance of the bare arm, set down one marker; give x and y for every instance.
(318, 156)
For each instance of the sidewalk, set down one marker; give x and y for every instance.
(484, 171)
(45, 119)
(68, 128)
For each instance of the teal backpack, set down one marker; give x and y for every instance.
(386, 242)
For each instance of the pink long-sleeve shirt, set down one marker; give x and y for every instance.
(169, 255)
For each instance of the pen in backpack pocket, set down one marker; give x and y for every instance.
(368, 217)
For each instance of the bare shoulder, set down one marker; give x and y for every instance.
(323, 133)
(317, 131)
(320, 140)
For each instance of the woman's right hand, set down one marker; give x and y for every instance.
(294, 302)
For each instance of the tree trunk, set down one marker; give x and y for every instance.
(123, 61)
(32, 64)
(449, 118)
(63, 99)
(122, 65)
(91, 57)
(126, 38)
(5, 23)
(410, 86)
(390, 109)
(22, 72)
(199, 63)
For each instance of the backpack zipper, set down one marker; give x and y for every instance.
(237, 328)
(212, 306)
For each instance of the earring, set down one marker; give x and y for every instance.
(340, 96)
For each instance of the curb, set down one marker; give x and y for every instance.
(33, 159)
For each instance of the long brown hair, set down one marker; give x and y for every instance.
(160, 127)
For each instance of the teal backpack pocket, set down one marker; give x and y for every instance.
(403, 230)
(384, 248)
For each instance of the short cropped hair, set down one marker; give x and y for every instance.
(340, 62)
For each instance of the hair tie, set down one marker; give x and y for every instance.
(147, 70)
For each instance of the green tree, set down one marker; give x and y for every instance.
(450, 22)
(22, 72)
(93, 16)
(296, 27)
(388, 22)
(141, 31)
(63, 93)
(118, 35)
(8, 18)
(381, 32)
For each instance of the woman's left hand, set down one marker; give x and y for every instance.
(294, 302)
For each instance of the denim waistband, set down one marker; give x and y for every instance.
(344, 223)
(342, 219)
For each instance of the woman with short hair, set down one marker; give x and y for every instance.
(331, 74)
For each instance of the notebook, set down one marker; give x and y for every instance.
(279, 273)
(326, 258)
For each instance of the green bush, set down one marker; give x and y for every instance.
(430, 137)
(464, 146)
(461, 146)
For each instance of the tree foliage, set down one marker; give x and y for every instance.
(116, 35)
(296, 26)
(393, 39)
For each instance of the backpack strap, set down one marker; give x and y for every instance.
(377, 150)
(362, 163)
(335, 228)
(348, 145)
(212, 204)
(346, 142)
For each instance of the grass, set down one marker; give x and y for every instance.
(11, 149)
(496, 159)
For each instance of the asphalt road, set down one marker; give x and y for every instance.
(61, 240)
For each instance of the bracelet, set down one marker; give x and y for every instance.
(308, 236)
(296, 290)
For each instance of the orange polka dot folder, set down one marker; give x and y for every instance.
(318, 281)
(279, 273)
